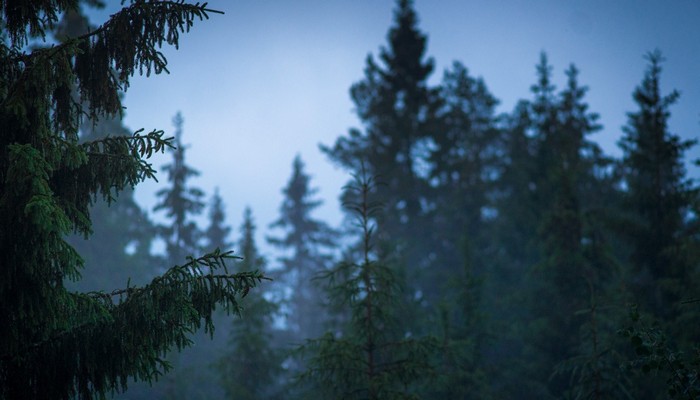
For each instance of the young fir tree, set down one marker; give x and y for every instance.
(251, 366)
(369, 357)
(660, 198)
(60, 344)
(307, 242)
(398, 110)
(180, 202)
(216, 235)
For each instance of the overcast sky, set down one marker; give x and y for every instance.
(270, 79)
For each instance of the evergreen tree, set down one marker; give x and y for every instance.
(217, 233)
(251, 366)
(308, 241)
(399, 110)
(60, 344)
(560, 278)
(180, 202)
(118, 251)
(369, 357)
(660, 198)
(465, 161)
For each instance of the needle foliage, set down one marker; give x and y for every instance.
(59, 344)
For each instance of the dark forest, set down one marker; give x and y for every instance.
(482, 254)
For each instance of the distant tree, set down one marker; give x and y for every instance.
(660, 198)
(217, 233)
(307, 242)
(180, 202)
(250, 368)
(399, 112)
(60, 344)
(369, 357)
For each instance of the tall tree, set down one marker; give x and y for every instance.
(251, 366)
(59, 344)
(660, 197)
(118, 251)
(464, 161)
(180, 202)
(563, 275)
(398, 110)
(307, 242)
(369, 357)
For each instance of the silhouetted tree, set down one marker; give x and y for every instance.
(660, 197)
(307, 242)
(398, 110)
(180, 202)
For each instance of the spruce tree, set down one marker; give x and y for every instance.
(60, 344)
(118, 251)
(660, 198)
(251, 366)
(180, 202)
(307, 242)
(399, 112)
(369, 357)
(463, 165)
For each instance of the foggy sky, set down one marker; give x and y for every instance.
(270, 79)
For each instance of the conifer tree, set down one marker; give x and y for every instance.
(180, 202)
(307, 242)
(399, 113)
(118, 251)
(464, 162)
(60, 344)
(217, 233)
(660, 197)
(251, 366)
(561, 275)
(369, 357)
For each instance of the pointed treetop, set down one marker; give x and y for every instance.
(544, 89)
(217, 232)
(407, 46)
(178, 122)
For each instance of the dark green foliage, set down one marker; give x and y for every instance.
(659, 198)
(656, 358)
(308, 241)
(180, 202)
(369, 357)
(56, 343)
(251, 366)
(118, 249)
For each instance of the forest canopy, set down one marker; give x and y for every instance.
(484, 254)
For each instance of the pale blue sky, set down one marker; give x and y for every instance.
(270, 79)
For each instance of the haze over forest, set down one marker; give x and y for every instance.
(390, 203)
